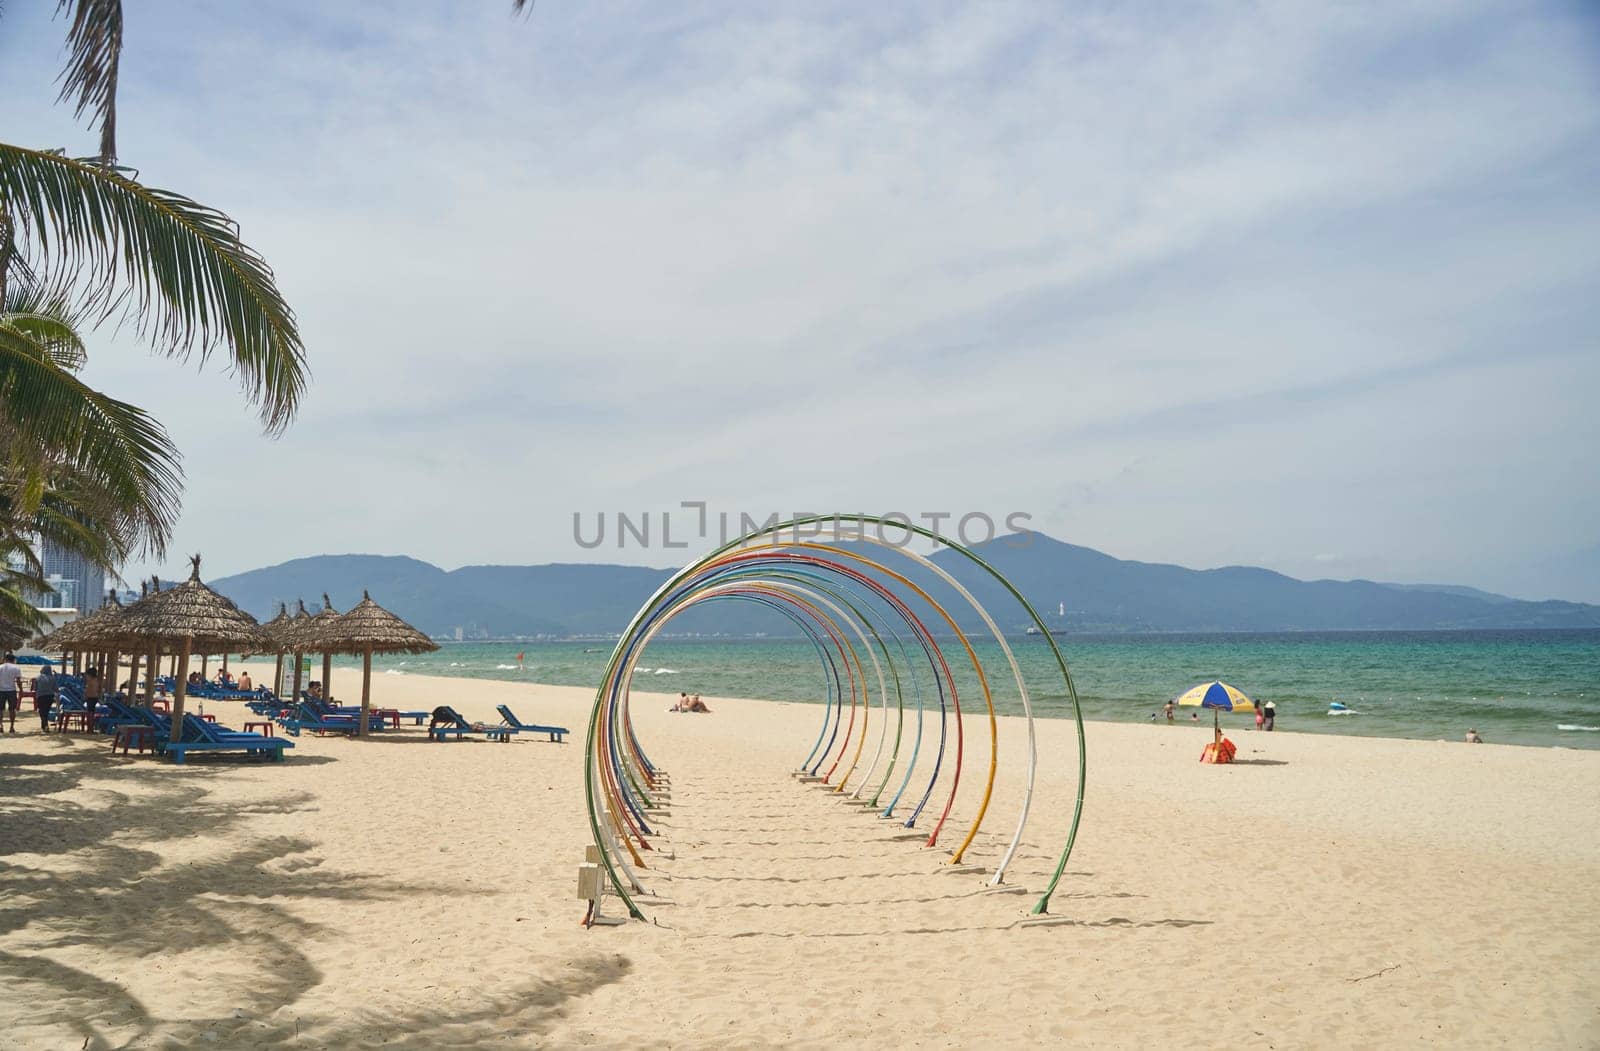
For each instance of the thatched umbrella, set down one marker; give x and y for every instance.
(96, 631)
(75, 632)
(293, 636)
(369, 628)
(276, 631)
(318, 636)
(194, 619)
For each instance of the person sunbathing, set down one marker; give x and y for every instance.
(697, 705)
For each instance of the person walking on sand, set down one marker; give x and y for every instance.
(10, 689)
(44, 696)
(1270, 712)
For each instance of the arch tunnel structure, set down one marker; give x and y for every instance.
(877, 636)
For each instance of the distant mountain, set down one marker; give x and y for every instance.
(1454, 589)
(1105, 593)
(1098, 592)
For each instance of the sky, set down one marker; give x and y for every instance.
(1314, 287)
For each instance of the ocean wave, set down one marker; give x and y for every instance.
(507, 667)
(1575, 726)
(665, 671)
(393, 671)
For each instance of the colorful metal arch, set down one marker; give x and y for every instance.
(834, 595)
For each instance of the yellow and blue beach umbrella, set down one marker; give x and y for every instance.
(1218, 695)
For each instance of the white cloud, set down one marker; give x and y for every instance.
(1289, 263)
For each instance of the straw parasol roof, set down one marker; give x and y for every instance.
(190, 618)
(289, 634)
(276, 630)
(368, 627)
(91, 629)
(317, 636)
(315, 633)
(191, 611)
(275, 627)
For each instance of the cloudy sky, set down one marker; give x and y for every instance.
(1315, 287)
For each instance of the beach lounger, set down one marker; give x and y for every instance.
(201, 736)
(557, 733)
(308, 718)
(461, 728)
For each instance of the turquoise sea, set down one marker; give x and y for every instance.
(1516, 687)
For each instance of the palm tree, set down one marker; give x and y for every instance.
(114, 247)
(94, 42)
(79, 468)
(56, 428)
(173, 268)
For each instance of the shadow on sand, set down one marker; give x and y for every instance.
(82, 879)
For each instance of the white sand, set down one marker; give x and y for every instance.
(1339, 892)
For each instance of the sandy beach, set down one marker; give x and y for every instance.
(1325, 892)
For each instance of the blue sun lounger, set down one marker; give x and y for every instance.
(557, 733)
(461, 728)
(307, 718)
(201, 736)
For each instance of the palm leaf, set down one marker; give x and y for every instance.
(57, 425)
(176, 268)
(90, 79)
(46, 318)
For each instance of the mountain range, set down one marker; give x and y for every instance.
(1073, 587)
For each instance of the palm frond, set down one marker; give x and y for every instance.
(19, 620)
(90, 79)
(47, 318)
(176, 268)
(55, 425)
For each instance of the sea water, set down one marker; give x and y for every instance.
(1514, 687)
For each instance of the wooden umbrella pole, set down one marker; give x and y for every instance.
(327, 676)
(277, 675)
(299, 660)
(133, 676)
(366, 687)
(154, 672)
(180, 689)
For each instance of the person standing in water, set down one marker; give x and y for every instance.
(1270, 712)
